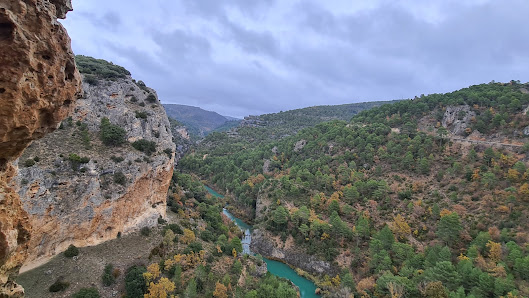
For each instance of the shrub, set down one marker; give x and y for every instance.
(87, 293)
(111, 135)
(71, 252)
(58, 286)
(29, 163)
(120, 178)
(147, 147)
(117, 159)
(193, 247)
(141, 115)
(135, 285)
(173, 227)
(36, 159)
(145, 231)
(107, 277)
(151, 98)
(91, 80)
(76, 160)
(142, 104)
(169, 152)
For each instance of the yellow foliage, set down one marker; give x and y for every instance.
(445, 212)
(400, 227)
(462, 257)
(153, 272)
(494, 251)
(234, 252)
(336, 280)
(220, 291)
(160, 289)
(503, 209)
(524, 191)
(475, 175)
(325, 236)
(189, 236)
(513, 175)
(188, 261)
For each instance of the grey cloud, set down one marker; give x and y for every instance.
(325, 56)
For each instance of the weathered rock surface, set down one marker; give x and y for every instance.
(263, 243)
(38, 86)
(457, 118)
(120, 189)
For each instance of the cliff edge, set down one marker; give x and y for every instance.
(104, 173)
(39, 83)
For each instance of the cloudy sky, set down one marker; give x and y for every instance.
(241, 57)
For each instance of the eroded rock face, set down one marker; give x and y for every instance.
(118, 191)
(38, 86)
(457, 118)
(263, 243)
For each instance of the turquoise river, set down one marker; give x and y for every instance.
(306, 287)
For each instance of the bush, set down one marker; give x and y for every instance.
(76, 160)
(72, 251)
(110, 134)
(117, 159)
(87, 293)
(135, 285)
(173, 227)
(29, 163)
(58, 286)
(193, 247)
(151, 98)
(147, 147)
(145, 231)
(120, 178)
(107, 277)
(141, 115)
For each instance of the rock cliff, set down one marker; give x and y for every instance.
(38, 87)
(264, 244)
(80, 190)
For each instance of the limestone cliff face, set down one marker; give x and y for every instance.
(38, 86)
(119, 190)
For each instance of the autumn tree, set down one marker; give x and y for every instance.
(400, 227)
(160, 289)
(188, 237)
(220, 291)
(494, 251)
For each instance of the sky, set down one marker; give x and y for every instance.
(250, 57)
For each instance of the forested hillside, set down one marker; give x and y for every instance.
(199, 122)
(424, 197)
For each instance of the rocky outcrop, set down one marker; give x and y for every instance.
(38, 87)
(181, 138)
(457, 118)
(79, 191)
(263, 244)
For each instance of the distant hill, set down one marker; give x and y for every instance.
(198, 121)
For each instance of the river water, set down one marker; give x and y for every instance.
(306, 287)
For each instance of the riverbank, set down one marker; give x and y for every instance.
(306, 287)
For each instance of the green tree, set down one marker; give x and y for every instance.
(386, 237)
(135, 284)
(280, 216)
(110, 134)
(449, 227)
(237, 244)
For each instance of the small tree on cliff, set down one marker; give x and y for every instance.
(110, 134)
